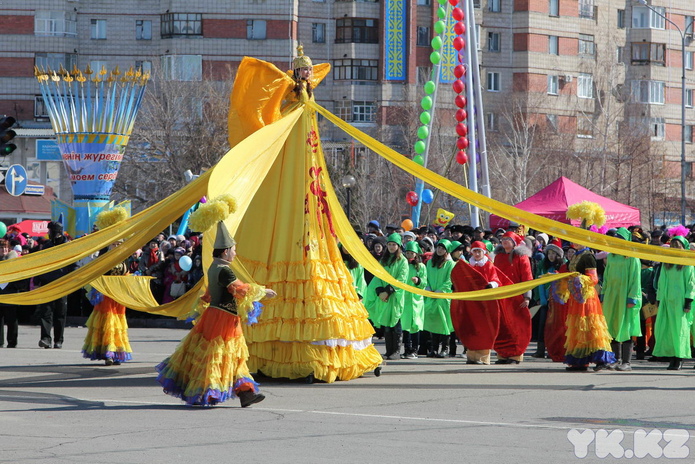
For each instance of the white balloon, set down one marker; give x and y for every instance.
(185, 263)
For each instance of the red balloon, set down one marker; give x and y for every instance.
(459, 28)
(459, 43)
(461, 157)
(460, 101)
(412, 198)
(458, 86)
(461, 115)
(457, 14)
(459, 71)
(454, 2)
(462, 129)
(462, 143)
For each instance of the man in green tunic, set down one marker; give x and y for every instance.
(622, 300)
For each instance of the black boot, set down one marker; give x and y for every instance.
(615, 348)
(676, 364)
(444, 340)
(540, 350)
(434, 345)
(388, 342)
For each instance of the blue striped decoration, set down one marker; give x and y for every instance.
(394, 43)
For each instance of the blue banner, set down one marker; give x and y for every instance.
(395, 44)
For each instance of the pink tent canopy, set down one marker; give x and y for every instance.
(552, 202)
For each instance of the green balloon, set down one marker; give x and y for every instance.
(3, 229)
(423, 132)
(425, 117)
(419, 160)
(429, 87)
(435, 57)
(437, 42)
(439, 27)
(419, 147)
(426, 103)
(441, 13)
(442, 2)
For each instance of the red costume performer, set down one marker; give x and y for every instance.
(476, 322)
(514, 336)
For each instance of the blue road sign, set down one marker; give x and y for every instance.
(16, 180)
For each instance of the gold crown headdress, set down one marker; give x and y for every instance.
(302, 61)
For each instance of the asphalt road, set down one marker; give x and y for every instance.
(56, 407)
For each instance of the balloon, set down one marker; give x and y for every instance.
(426, 103)
(458, 86)
(462, 143)
(460, 101)
(419, 147)
(423, 132)
(429, 87)
(185, 263)
(3, 229)
(461, 115)
(437, 42)
(459, 28)
(461, 157)
(419, 160)
(442, 2)
(462, 129)
(427, 196)
(459, 43)
(412, 198)
(441, 13)
(459, 71)
(435, 57)
(425, 117)
(453, 2)
(457, 14)
(439, 27)
(407, 224)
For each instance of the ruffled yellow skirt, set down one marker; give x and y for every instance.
(107, 334)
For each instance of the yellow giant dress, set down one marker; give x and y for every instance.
(286, 240)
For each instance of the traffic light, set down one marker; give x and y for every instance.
(7, 134)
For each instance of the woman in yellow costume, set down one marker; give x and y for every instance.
(316, 327)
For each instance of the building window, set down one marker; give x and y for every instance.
(343, 109)
(586, 44)
(423, 2)
(554, 7)
(551, 119)
(648, 92)
(255, 29)
(183, 67)
(54, 61)
(98, 65)
(143, 29)
(645, 18)
(648, 53)
(585, 128)
(553, 84)
(182, 25)
(688, 60)
(553, 45)
(689, 25)
(491, 120)
(688, 134)
(55, 23)
(586, 9)
(423, 36)
(318, 32)
(424, 74)
(40, 110)
(476, 3)
(657, 128)
(621, 19)
(493, 41)
(363, 111)
(494, 5)
(689, 98)
(353, 30)
(144, 67)
(585, 86)
(493, 81)
(363, 70)
(477, 37)
(98, 29)
(619, 54)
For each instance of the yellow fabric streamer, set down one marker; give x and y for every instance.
(557, 229)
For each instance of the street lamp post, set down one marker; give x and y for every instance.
(683, 44)
(348, 182)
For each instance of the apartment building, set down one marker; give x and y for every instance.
(556, 52)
